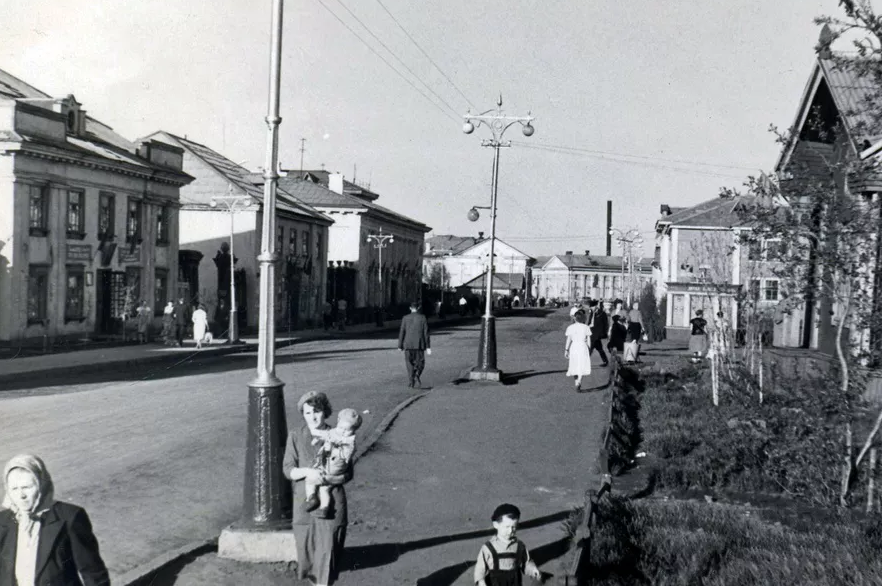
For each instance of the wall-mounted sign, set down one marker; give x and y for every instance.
(129, 254)
(79, 252)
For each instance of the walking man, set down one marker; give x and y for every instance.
(413, 339)
(599, 329)
(181, 318)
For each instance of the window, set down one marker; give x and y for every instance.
(106, 213)
(770, 291)
(133, 282)
(160, 291)
(306, 244)
(318, 247)
(292, 242)
(774, 249)
(754, 250)
(38, 293)
(73, 302)
(76, 214)
(162, 225)
(39, 210)
(280, 239)
(133, 221)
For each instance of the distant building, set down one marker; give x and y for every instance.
(459, 260)
(354, 267)
(301, 242)
(88, 220)
(573, 277)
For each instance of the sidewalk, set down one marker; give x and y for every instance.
(131, 355)
(421, 499)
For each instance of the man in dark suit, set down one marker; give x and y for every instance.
(599, 329)
(413, 339)
(182, 316)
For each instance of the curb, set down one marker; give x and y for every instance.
(137, 576)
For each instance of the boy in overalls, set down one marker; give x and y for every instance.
(503, 561)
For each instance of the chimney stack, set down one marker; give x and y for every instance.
(569, 253)
(587, 253)
(335, 182)
(480, 235)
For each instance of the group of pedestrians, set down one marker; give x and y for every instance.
(591, 325)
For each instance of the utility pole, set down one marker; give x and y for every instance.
(381, 241)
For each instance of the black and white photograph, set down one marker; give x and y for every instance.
(399, 293)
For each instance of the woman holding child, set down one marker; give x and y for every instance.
(320, 533)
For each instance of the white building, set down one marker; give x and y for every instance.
(573, 277)
(461, 259)
(301, 241)
(88, 220)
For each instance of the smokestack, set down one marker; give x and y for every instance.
(480, 235)
(587, 253)
(608, 227)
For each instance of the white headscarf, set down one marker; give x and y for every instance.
(45, 497)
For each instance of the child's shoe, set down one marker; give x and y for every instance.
(310, 504)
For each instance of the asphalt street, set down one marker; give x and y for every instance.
(157, 458)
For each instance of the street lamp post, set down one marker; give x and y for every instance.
(260, 534)
(381, 241)
(498, 123)
(233, 204)
(627, 240)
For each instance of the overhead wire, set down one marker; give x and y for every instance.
(386, 61)
(403, 64)
(432, 61)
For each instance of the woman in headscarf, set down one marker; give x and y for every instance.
(319, 540)
(44, 541)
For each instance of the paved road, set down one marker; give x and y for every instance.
(158, 462)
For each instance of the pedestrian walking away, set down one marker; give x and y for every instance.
(413, 339)
(635, 327)
(341, 314)
(318, 537)
(599, 328)
(504, 560)
(144, 317)
(617, 334)
(577, 349)
(168, 324)
(181, 319)
(44, 541)
(327, 315)
(200, 325)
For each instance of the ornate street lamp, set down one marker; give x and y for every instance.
(233, 204)
(498, 123)
(628, 241)
(381, 241)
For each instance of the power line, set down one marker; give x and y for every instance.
(384, 60)
(391, 52)
(432, 61)
(569, 151)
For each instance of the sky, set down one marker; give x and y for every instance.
(641, 102)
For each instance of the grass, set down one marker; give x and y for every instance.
(687, 542)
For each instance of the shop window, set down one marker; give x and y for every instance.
(74, 305)
(38, 293)
(76, 214)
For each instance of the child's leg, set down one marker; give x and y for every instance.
(311, 502)
(324, 496)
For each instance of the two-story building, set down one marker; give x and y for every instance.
(573, 277)
(88, 220)
(354, 270)
(301, 241)
(462, 260)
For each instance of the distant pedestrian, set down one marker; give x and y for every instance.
(200, 325)
(168, 324)
(635, 327)
(181, 319)
(617, 334)
(44, 541)
(327, 315)
(599, 329)
(414, 340)
(698, 339)
(577, 349)
(319, 541)
(463, 305)
(144, 316)
(504, 560)
(341, 314)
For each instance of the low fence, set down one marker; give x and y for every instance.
(614, 455)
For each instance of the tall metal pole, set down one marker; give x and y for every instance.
(265, 485)
(234, 322)
(380, 241)
(488, 313)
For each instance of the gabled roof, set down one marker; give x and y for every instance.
(498, 240)
(240, 177)
(448, 244)
(849, 91)
(319, 196)
(500, 281)
(322, 177)
(13, 87)
(714, 213)
(583, 261)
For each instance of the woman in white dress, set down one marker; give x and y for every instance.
(578, 348)
(200, 325)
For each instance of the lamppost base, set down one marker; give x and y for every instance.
(264, 544)
(494, 375)
(486, 368)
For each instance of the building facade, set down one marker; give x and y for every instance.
(301, 241)
(573, 277)
(88, 220)
(355, 272)
(451, 261)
